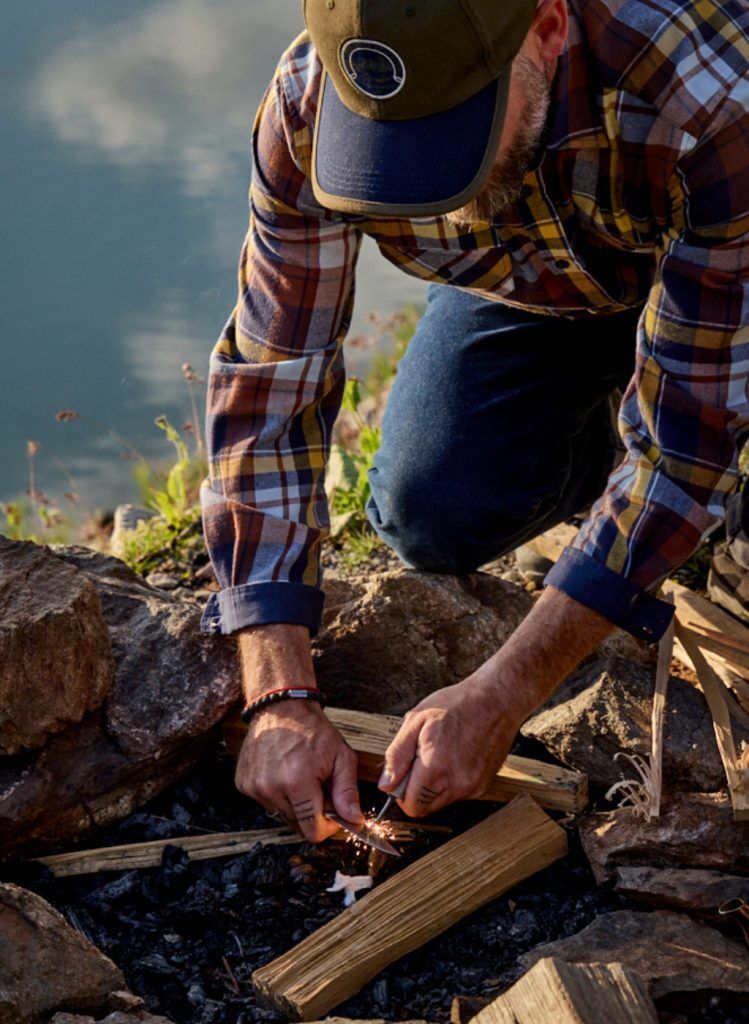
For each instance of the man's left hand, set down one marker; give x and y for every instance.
(453, 743)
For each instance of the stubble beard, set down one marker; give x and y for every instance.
(505, 181)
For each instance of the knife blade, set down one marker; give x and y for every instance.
(365, 834)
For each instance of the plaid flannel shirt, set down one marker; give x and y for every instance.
(641, 195)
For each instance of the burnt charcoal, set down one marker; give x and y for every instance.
(156, 964)
(381, 994)
(196, 996)
(169, 928)
(270, 868)
(143, 828)
(181, 814)
(29, 874)
(235, 872)
(113, 891)
(139, 924)
(174, 859)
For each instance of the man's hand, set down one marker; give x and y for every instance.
(455, 741)
(293, 760)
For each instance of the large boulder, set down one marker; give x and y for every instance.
(55, 654)
(671, 953)
(170, 685)
(45, 964)
(606, 707)
(390, 639)
(694, 830)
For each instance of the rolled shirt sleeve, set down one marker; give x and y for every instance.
(686, 410)
(275, 384)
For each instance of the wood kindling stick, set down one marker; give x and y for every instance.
(721, 704)
(411, 908)
(148, 855)
(370, 735)
(216, 844)
(554, 990)
(662, 673)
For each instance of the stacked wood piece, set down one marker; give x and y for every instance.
(572, 994)
(411, 908)
(370, 735)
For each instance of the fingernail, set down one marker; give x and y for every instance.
(355, 813)
(385, 779)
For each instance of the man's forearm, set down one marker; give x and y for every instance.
(548, 644)
(275, 655)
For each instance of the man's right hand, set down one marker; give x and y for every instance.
(293, 760)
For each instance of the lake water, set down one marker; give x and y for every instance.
(125, 165)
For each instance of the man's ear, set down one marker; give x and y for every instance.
(547, 35)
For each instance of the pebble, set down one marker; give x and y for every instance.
(163, 580)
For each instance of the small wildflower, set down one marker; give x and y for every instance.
(32, 448)
(65, 415)
(190, 374)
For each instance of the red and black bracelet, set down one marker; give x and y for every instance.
(282, 693)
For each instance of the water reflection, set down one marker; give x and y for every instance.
(173, 87)
(126, 132)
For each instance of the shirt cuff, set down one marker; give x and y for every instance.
(619, 600)
(259, 604)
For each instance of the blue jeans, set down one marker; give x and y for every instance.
(496, 429)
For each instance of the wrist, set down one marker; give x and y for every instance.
(499, 699)
(273, 656)
(279, 695)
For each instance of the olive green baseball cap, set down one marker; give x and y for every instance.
(412, 100)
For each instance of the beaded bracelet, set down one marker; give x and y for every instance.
(283, 693)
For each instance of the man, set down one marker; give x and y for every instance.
(574, 178)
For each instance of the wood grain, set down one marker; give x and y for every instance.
(555, 788)
(214, 844)
(148, 855)
(562, 993)
(411, 908)
(719, 699)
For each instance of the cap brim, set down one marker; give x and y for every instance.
(406, 168)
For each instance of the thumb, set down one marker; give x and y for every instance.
(344, 790)
(400, 756)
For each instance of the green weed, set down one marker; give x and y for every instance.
(359, 437)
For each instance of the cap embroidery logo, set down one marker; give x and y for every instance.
(373, 68)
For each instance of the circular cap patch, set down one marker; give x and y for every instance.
(373, 68)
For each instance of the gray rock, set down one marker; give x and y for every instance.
(605, 708)
(162, 580)
(694, 830)
(694, 890)
(126, 519)
(391, 639)
(171, 685)
(46, 964)
(55, 654)
(671, 953)
(171, 682)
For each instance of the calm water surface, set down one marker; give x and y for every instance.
(125, 164)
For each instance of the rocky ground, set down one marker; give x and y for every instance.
(131, 753)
